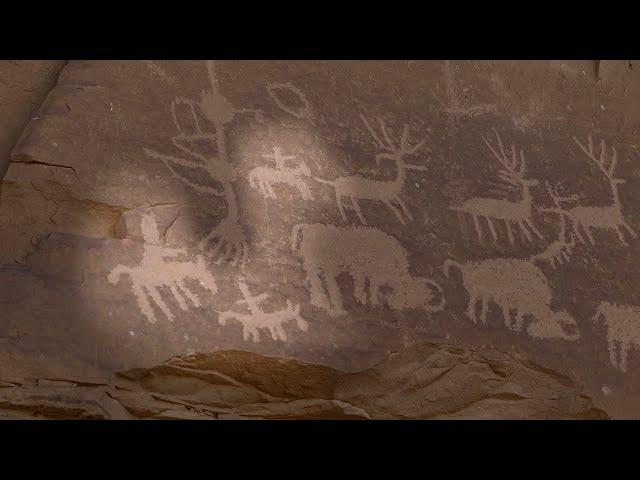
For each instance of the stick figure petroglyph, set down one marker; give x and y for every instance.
(514, 284)
(608, 217)
(369, 256)
(623, 331)
(264, 178)
(228, 236)
(154, 273)
(258, 319)
(491, 209)
(360, 188)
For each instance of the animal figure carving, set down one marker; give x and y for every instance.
(258, 319)
(154, 273)
(264, 178)
(513, 285)
(519, 213)
(609, 217)
(559, 251)
(370, 257)
(623, 331)
(360, 188)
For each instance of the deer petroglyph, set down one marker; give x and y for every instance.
(608, 217)
(154, 273)
(369, 256)
(358, 188)
(519, 213)
(258, 319)
(264, 178)
(623, 331)
(559, 251)
(513, 285)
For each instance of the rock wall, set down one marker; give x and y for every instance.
(330, 212)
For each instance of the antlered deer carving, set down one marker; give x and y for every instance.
(358, 188)
(608, 217)
(519, 213)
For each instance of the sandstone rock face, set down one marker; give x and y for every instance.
(427, 381)
(331, 212)
(23, 87)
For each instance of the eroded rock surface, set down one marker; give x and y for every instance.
(428, 381)
(331, 212)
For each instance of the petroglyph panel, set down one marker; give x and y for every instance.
(332, 212)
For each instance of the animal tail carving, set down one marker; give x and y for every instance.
(448, 264)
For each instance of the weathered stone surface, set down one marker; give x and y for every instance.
(23, 87)
(429, 381)
(330, 212)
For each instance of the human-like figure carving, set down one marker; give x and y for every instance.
(370, 257)
(258, 319)
(155, 272)
(263, 179)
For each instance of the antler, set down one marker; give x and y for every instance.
(511, 172)
(386, 143)
(600, 162)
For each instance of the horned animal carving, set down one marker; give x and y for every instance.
(608, 217)
(154, 272)
(519, 213)
(369, 256)
(360, 188)
(514, 284)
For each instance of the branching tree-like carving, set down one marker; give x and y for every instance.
(227, 240)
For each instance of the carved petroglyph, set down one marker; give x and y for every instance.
(198, 143)
(258, 319)
(514, 285)
(454, 106)
(263, 179)
(608, 217)
(370, 257)
(359, 188)
(519, 213)
(301, 111)
(154, 273)
(559, 251)
(623, 331)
